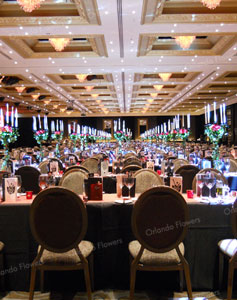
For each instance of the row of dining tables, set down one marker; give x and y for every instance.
(109, 228)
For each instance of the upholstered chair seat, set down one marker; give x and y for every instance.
(155, 259)
(68, 258)
(228, 246)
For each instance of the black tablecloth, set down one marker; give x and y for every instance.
(110, 230)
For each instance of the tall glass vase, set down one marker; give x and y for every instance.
(6, 158)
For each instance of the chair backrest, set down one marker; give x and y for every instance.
(188, 172)
(132, 161)
(179, 162)
(130, 168)
(74, 180)
(160, 219)
(43, 166)
(146, 179)
(84, 169)
(218, 175)
(91, 164)
(234, 219)
(30, 178)
(233, 165)
(58, 219)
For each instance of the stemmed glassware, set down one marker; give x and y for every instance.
(19, 183)
(43, 181)
(200, 182)
(227, 164)
(129, 182)
(210, 181)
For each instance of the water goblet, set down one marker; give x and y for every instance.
(43, 179)
(128, 182)
(210, 181)
(227, 164)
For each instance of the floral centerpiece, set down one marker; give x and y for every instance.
(57, 134)
(215, 133)
(40, 134)
(173, 135)
(183, 133)
(8, 132)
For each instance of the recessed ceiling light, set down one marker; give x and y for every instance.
(26, 33)
(133, 12)
(106, 12)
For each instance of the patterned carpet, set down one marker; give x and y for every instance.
(114, 295)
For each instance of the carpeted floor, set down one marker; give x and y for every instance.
(114, 295)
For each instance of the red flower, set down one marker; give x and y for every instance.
(174, 131)
(215, 127)
(183, 131)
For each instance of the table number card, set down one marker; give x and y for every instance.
(150, 165)
(53, 167)
(104, 167)
(176, 183)
(9, 189)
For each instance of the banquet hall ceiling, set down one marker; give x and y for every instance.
(121, 46)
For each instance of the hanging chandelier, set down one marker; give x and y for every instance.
(184, 41)
(165, 76)
(59, 43)
(89, 88)
(150, 100)
(94, 95)
(158, 87)
(153, 95)
(20, 89)
(81, 77)
(47, 102)
(35, 97)
(211, 4)
(29, 5)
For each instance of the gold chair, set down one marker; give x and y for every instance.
(58, 221)
(74, 180)
(91, 164)
(228, 249)
(146, 179)
(130, 168)
(179, 162)
(159, 223)
(2, 279)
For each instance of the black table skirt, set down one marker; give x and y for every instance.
(110, 230)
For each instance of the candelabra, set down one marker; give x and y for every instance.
(40, 134)
(57, 134)
(8, 133)
(215, 132)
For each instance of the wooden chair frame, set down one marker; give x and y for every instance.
(232, 263)
(137, 265)
(37, 265)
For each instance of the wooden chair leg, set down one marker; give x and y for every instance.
(181, 281)
(132, 280)
(221, 264)
(230, 281)
(32, 282)
(87, 279)
(188, 280)
(91, 268)
(2, 277)
(42, 280)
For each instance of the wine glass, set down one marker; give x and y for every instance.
(200, 182)
(43, 179)
(129, 182)
(19, 183)
(210, 181)
(227, 164)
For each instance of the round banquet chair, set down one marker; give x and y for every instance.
(218, 175)
(77, 168)
(179, 162)
(156, 249)
(130, 168)
(43, 166)
(228, 250)
(188, 172)
(91, 164)
(58, 221)
(30, 179)
(2, 279)
(132, 161)
(146, 179)
(130, 155)
(74, 180)
(233, 165)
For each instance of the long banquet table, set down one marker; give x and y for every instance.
(109, 228)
